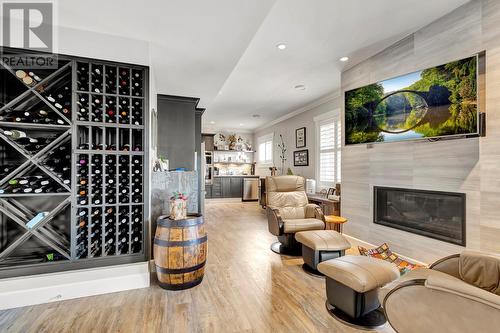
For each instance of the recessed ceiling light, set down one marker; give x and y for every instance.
(212, 122)
(300, 87)
(256, 116)
(241, 124)
(281, 46)
(344, 59)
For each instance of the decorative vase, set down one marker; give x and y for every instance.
(178, 209)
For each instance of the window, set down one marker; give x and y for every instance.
(328, 129)
(265, 149)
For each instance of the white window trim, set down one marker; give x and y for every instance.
(318, 120)
(262, 139)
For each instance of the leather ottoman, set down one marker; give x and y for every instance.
(352, 284)
(321, 245)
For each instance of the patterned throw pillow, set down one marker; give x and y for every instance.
(383, 252)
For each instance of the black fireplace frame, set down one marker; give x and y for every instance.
(416, 231)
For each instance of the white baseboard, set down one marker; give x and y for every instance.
(45, 288)
(357, 241)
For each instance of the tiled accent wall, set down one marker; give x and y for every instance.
(471, 166)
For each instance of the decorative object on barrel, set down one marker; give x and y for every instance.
(180, 251)
(178, 206)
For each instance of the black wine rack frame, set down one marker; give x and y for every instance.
(97, 217)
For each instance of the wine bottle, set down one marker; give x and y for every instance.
(81, 234)
(82, 223)
(82, 246)
(15, 134)
(83, 160)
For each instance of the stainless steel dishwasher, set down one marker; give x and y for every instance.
(250, 189)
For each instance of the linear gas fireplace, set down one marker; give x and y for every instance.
(440, 215)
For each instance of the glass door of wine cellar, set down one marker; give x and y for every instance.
(71, 165)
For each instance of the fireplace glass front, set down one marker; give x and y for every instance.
(439, 215)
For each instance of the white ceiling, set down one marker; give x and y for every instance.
(223, 51)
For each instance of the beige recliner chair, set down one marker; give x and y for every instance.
(460, 293)
(288, 212)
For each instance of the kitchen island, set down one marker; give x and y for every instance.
(227, 186)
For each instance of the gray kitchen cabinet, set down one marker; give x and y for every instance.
(217, 188)
(236, 187)
(208, 191)
(226, 187)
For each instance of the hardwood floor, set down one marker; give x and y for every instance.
(247, 288)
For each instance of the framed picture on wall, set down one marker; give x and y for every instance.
(300, 137)
(301, 157)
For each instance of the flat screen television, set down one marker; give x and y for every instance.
(436, 102)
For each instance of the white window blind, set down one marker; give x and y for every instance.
(329, 144)
(265, 149)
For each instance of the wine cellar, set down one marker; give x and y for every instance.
(72, 165)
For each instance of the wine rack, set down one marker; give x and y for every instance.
(72, 165)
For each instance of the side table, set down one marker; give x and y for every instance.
(335, 222)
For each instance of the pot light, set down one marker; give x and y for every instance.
(344, 59)
(281, 46)
(241, 124)
(212, 122)
(300, 87)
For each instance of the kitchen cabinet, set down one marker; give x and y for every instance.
(236, 187)
(208, 191)
(226, 187)
(217, 188)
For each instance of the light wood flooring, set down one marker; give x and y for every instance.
(247, 288)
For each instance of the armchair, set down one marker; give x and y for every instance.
(288, 212)
(460, 293)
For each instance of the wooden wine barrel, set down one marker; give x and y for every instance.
(180, 251)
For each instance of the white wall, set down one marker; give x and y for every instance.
(287, 129)
(101, 46)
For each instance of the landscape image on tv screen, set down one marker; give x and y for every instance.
(434, 102)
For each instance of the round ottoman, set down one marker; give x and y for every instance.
(320, 245)
(352, 284)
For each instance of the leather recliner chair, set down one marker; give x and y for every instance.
(460, 293)
(289, 211)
